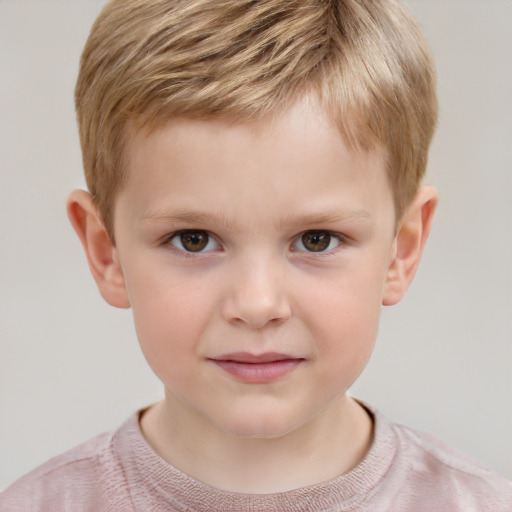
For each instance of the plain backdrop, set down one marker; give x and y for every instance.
(70, 366)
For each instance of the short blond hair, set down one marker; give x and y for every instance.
(147, 61)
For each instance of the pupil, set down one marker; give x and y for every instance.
(194, 241)
(316, 241)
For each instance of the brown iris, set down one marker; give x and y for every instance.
(194, 241)
(316, 241)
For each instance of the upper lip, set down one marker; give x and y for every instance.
(247, 357)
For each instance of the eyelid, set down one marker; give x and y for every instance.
(342, 240)
(167, 241)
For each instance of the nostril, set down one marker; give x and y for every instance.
(256, 314)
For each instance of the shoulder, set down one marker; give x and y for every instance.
(79, 479)
(448, 477)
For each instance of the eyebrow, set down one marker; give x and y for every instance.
(198, 217)
(327, 217)
(185, 216)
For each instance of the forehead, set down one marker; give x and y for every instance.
(296, 155)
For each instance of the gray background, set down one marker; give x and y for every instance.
(70, 365)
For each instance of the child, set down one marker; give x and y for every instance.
(254, 171)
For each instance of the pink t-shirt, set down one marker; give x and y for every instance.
(404, 470)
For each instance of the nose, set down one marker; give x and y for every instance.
(256, 296)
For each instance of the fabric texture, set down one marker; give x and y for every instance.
(404, 470)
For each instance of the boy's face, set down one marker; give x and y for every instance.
(255, 258)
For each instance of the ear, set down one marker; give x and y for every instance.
(412, 234)
(101, 252)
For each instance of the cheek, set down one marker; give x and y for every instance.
(345, 342)
(170, 313)
(345, 313)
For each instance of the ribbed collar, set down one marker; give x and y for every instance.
(157, 485)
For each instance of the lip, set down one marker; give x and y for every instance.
(257, 368)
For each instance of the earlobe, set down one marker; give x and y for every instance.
(410, 240)
(99, 249)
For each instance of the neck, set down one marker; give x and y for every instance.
(325, 448)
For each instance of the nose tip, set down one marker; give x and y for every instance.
(257, 301)
(258, 316)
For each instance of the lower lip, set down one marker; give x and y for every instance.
(259, 373)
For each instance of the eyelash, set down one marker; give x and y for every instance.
(321, 232)
(341, 240)
(182, 250)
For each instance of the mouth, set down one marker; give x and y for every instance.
(257, 368)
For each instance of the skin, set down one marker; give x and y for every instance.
(253, 190)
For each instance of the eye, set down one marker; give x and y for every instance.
(193, 241)
(317, 241)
